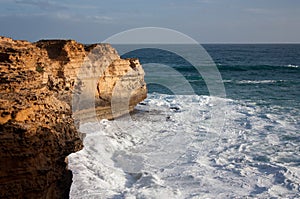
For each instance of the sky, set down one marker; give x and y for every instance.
(206, 21)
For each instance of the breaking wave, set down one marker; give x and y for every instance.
(170, 151)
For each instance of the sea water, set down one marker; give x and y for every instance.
(195, 145)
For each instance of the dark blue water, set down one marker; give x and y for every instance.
(260, 72)
(267, 74)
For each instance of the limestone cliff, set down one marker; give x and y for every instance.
(41, 83)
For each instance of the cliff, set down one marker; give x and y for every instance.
(43, 87)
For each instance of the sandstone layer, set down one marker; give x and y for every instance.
(43, 87)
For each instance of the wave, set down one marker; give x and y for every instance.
(292, 66)
(252, 81)
(227, 81)
(233, 67)
(172, 146)
(258, 81)
(255, 67)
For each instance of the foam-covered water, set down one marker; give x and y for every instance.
(200, 146)
(171, 150)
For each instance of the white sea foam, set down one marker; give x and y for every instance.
(292, 66)
(170, 150)
(252, 81)
(258, 81)
(227, 81)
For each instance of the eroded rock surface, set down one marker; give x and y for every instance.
(40, 84)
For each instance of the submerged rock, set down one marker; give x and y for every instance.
(43, 86)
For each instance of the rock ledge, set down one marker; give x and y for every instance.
(41, 83)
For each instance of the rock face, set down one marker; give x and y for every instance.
(41, 83)
(120, 87)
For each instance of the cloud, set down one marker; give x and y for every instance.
(190, 4)
(206, 1)
(66, 12)
(258, 10)
(83, 18)
(100, 19)
(42, 4)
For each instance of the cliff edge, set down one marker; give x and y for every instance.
(43, 87)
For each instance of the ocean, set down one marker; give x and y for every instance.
(232, 134)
